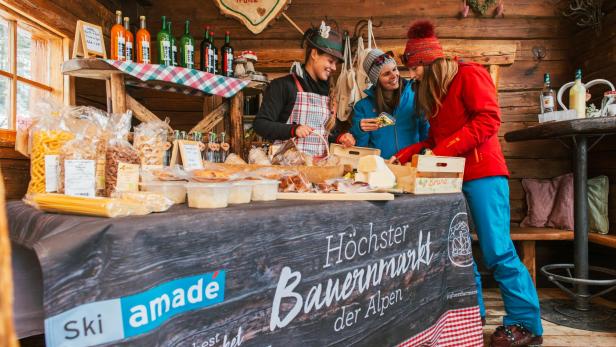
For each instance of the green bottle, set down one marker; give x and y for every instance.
(174, 45)
(164, 44)
(187, 48)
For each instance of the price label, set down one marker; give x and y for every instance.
(191, 157)
(80, 178)
(94, 38)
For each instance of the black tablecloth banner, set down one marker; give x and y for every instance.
(264, 274)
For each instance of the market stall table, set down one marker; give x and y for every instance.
(292, 273)
(580, 316)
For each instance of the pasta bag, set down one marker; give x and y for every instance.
(121, 159)
(47, 137)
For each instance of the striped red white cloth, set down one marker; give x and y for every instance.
(455, 328)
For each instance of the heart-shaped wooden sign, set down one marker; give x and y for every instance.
(255, 14)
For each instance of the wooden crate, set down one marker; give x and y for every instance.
(428, 174)
(351, 155)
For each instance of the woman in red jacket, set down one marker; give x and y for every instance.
(459, 100)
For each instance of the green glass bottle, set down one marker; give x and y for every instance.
(187, 48)
(164, 44)
(174, 44)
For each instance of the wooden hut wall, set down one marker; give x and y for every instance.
(596, 55)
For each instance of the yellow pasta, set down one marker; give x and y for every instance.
(44, 142)
(99, 207)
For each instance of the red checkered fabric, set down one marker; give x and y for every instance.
(455, 328)
(203, 81)
(311, 109)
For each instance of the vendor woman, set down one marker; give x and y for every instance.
(298, 105)
(460, 102)
(392, 97)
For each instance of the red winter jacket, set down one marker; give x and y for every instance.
(467, 125)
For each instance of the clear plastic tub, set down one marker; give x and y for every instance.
(240, 192)
(264, 190)
(174, 190)
(208, 195)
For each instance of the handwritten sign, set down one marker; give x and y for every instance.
(89, 41)
(187, 153)
(254, 14)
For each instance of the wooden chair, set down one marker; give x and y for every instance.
(7, 330)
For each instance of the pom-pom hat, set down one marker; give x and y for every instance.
(422, 47)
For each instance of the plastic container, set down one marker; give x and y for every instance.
(174, 190)
(208, 195)
(264, 190)
(240, 192)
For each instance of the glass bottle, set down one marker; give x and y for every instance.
(224, 147)
(118, 39)
(174, 44)
(226, 52)
(129, 40)
(214, 68)
(164, 44)
(548, 96)
(204, 51)
(143, 43)
(187, 48)
(577, 96)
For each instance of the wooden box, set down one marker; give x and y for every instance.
(428, 174)
(351, 155)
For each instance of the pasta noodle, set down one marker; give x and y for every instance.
(99, 207)
(44, 143)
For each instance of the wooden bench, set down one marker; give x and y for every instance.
(604, 240)
(528, 236)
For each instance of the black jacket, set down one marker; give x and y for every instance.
(278, 102)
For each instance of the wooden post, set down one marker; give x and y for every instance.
(237, 124)
(8, 337)
(528, 257)
(494, 74)
(118, 93)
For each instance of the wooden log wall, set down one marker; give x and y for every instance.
(596, 55)
(529, 22)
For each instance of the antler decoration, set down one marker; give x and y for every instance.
(586, 13)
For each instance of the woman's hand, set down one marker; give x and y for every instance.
(369, 124)
(347, 140)
(394, 161)
(303, 131)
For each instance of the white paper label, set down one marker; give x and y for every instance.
(51, 173)
(192, 157)
(166, 52)
(189, 56)
(94, 40)
(145, 48)
(80, 177)
(128, 177)
(121, 47)
(548, 102)
(129, 51)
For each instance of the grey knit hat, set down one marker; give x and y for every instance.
(374, 62)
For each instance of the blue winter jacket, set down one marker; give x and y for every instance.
(409, 129)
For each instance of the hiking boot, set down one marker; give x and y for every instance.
(514, 336)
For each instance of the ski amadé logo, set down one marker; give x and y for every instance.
(116, 319)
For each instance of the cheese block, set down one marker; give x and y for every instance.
(373, 170)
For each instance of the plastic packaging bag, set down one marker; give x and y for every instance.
(121, 159)
(98, 207)
(289, 155)
(258, 156)
(167, 173)
(154, 202)
(46, 137)
(234, 159)
(150, 141)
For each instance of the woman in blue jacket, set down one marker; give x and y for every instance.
(392, 95)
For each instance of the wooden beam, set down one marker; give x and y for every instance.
(142, 113)
(528, 257)
(237, 124)
(118, 93)
(211, 120)
(486, 52)
(494, 74)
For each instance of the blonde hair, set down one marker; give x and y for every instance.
(434, 85)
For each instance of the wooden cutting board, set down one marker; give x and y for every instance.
(337, 196)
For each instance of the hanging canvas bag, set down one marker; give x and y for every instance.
(363, 82)
(346, 86)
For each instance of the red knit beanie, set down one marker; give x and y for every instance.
(422, 47)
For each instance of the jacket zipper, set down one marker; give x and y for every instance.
(396, 138)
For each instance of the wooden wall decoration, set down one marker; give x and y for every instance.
(254, 14)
